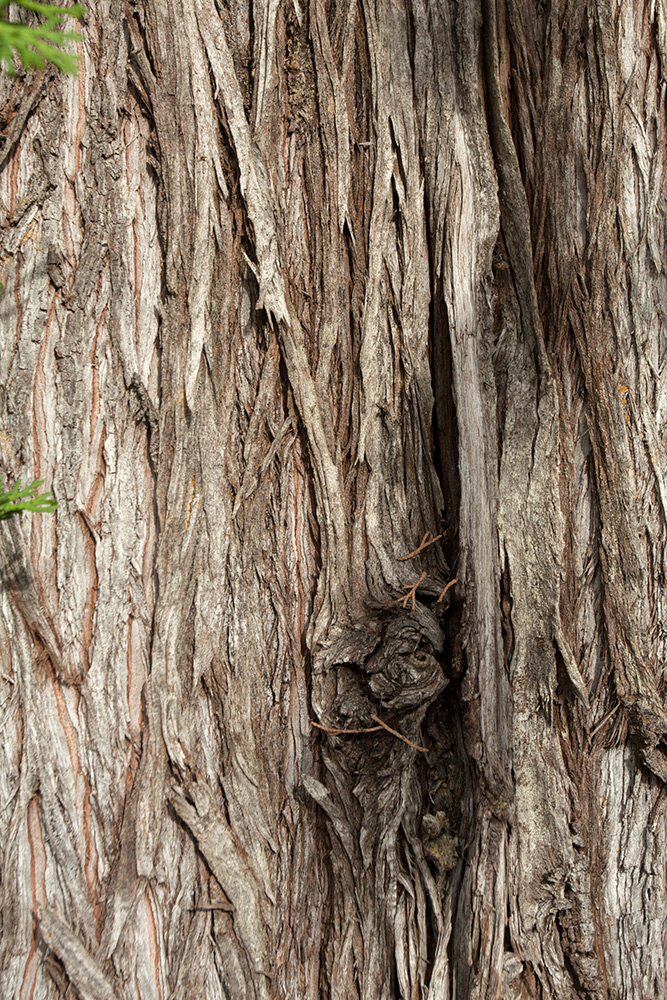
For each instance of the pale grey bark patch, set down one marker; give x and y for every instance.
(216, 842)
(82, 969)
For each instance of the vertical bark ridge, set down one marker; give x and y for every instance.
(597, 273)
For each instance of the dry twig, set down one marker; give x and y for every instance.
(344, 732)
(450, 584)
(371, 729)
(603, 721)
(399, 735)
(411, 593)
(424, 544)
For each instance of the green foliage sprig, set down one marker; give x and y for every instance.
(12, 502)
(39, 44)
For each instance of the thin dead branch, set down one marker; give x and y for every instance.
(370, 729)
(399, 735)
(424, 544)
(411, 593)
(344, 732)
(450, 584)
(605, 720)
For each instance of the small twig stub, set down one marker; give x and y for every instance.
(371, 729)
(450, 584)
(411, 593)
(424, 544)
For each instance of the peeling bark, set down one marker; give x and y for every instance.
(337, 331)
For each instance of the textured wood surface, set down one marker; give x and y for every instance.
(291, 289)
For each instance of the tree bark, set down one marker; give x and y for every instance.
(337, 330)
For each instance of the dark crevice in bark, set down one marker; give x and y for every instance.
(515, 214)
(506, 608)
(411, 41)
(445, 438)
(446, 775)
(582, 993)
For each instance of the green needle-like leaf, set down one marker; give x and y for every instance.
(38, 45)
(12, 501)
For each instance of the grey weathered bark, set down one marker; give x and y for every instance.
(288, 286)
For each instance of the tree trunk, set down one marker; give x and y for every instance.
(337, 331)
